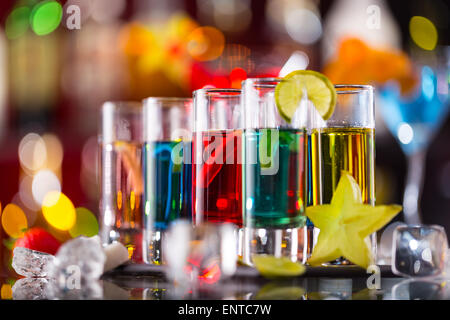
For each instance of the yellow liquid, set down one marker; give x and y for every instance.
(337, 149)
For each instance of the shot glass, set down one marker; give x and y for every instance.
(274, 174)
(217, 157)
(121, 176)
(167, 169)
(346, 141)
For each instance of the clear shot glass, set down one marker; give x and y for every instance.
(121, 180)
(274, 174)
(167, 169)
(346, 141)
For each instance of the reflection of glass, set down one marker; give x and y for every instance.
(121, 175)
(413, 289)
(217, 177)
(274, 175)
(166, 168)
(205, 254)
(413, 121)
(346, 141)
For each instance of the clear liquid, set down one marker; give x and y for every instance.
(121, 199)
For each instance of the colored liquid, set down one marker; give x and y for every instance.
(217, 177)
(186, 200)
(165, 190)
(414, 120)
(122, 189)
(337, 149)
(275, 178)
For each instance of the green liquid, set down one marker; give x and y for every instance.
(274, 178)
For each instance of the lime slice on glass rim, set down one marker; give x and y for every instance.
(273, 267)
(320, 91)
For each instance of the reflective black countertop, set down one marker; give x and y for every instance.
(146, 282)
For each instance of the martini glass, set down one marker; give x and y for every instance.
(414, 120)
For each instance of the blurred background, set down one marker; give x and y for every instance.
(60, 60)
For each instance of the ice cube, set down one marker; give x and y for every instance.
(31, 263)
(78, 262)
(419, 251)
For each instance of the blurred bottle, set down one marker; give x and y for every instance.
(368, 20)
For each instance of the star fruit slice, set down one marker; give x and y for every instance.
(346, 223)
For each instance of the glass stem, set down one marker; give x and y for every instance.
(413, 190)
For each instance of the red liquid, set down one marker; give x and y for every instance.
(217, 177)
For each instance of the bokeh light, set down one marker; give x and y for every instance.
(231, 15)
(405, 133)
(237, 75)
(303, 26)
(26, 193)
(46, 17)
(136, 40)
(44, 182)
(17, 22)
(59, 211)
(86, 224)
(423, 32)
(6, 292)
(14, 221)
(206, 43)
(54, 150)
(32, 152)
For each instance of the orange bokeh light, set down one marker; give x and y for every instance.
(14, 220)
(206, 43)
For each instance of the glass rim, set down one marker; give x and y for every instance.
(269, 82)
(227, 92)
(264, 82)
(353, 88)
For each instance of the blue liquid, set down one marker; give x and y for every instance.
(186, 200)
(167, 195)
(414, 120)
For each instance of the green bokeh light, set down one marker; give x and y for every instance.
(17, 22)
(85, 225)
(46, 17)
